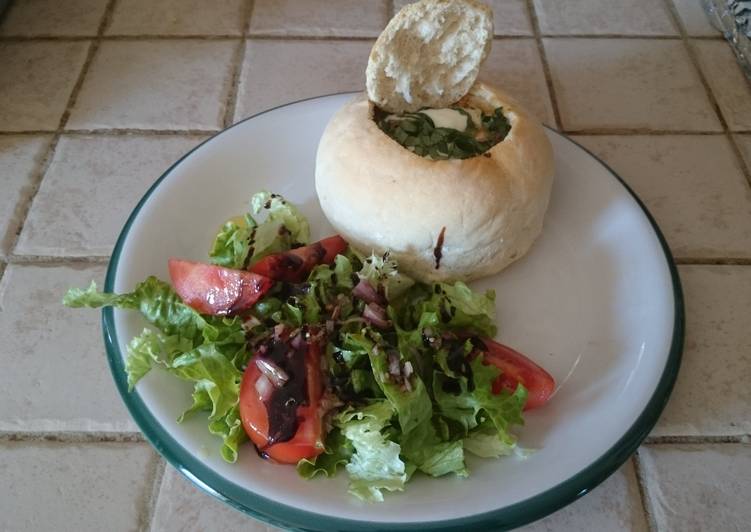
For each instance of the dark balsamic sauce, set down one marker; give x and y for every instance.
(438, 250)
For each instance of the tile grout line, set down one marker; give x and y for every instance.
(641, 485)
(708, 89)
(637, 131)
(38, 176)
(545, 64)
(71, 436)
(238, 58)
(149, 506)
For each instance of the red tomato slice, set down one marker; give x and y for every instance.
(516, 369)
(293, 266)
(307, 441)
(216, 290)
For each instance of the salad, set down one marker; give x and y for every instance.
(327, 358)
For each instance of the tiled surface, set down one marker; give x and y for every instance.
(515, 66)
(58, 486)
(628, 83)
(694, 19)
(53, 18)
(20, 159)
(712, 396)
(699, 487)
(731, 88)
(674, 175)
(277, 72)
(634, 95)
(510, 17)
(347, 18)
(177, 17)
(182, 507)
(620, 17)
(36, 82)
(613, 506)
(155, 85)
(91, 187)
(54, 379)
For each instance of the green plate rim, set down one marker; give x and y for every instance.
(292, 518)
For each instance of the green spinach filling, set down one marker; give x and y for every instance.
(417, 132)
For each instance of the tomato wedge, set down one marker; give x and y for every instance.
(307, 441)
(216, 290)
(293, 266)
(516, 369)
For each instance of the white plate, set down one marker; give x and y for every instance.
(597, 302)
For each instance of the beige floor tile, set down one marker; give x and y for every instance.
(712, 396)
(620, 17)
(694, 18)
(155, 85)
(628, 83)
(36, 82)
(20, 158)
(331, 18)
(55, 375)
(182, 507)
(744, 143)
(52, 17)
(177, 17)
(58, 486)
(613, 506)
(91, 187)
(693, 186)
(731, 88)
(515, 66)
(698, 487)
(510, 17)
(278, 72)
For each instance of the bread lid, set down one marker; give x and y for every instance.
(429, 55)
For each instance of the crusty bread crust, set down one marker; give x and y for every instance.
(380, 196)
(429, 54)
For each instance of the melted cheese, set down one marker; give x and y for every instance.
(449, 118)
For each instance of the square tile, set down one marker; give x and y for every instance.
(698, 487)
(20, 158)
(628, 83)
(155, 85)
(510, 17)
(744, 143)
(33, 18)
(182, 507)
(515, 66)
(278, 72)
(55, 375)
(177, 17)
(90, 188)
(730, 87)
(693, 186)
(36, 82)
(712, 396)
(617, 17)
(694, 18)
(613, 506)
(316, 18)
(57, 486)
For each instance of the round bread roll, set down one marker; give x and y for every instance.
(429, 54)
(488, 209)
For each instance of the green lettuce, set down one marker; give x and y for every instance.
(382, 270)
(337, 454)
(375, 464)
(232, 243)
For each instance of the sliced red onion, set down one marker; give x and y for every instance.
(375, 315)
(365, 291)
(274, 373)
(330, 326)
(297, 342)
(264, 388)
(408, 369)
(394, 369)
(279, 331)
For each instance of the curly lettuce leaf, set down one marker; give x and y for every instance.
(283, 227)
(375, 464)
(382, 271)
(232, 244)
(337, 454)
(432, 454)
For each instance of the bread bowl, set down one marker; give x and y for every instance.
(443, 218)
